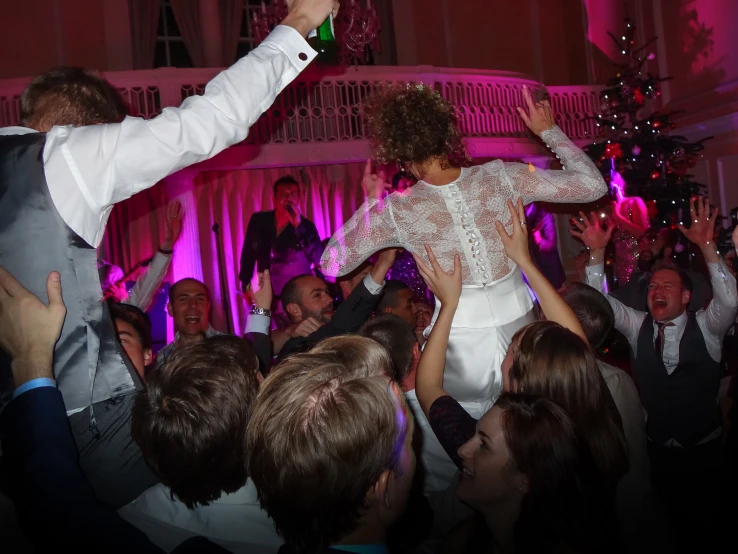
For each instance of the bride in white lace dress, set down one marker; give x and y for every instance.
(453, 209)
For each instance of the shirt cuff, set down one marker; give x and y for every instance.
(293, 44)
(258, 323)
(34, 384)
(373, 287)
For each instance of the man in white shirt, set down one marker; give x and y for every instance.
(59, 179)
(676, 364)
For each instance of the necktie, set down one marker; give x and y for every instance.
(659, 342)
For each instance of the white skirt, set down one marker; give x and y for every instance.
(487, 318)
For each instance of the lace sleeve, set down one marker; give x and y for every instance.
(370, 229)
(578, 182)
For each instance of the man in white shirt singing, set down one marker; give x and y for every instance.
(60, 176)
(676, 364)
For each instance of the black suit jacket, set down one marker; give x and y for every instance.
(350, 315)
(56, 507)
(261, 236)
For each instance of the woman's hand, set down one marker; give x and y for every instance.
(538, 116)
(445, 285)
(375, 185)
(594, 236)
(516, 245)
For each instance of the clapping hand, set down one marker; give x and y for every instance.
(538, 116)
(703, 222)
(446, 285)
(516, 245)
(590, 232)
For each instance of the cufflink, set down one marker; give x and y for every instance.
(303, 56)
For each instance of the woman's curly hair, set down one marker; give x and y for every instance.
(413, 123)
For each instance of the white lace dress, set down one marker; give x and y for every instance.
(460, 218)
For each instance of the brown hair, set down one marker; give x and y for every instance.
(564, 504)
(324, 428)
(553, 362)
(70, 96)
(136, 317)
(413, 123)
(190, 421)
(397, 337)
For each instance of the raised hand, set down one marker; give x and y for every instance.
(516, 245)
(172, 224)
(375, 185)
(259, 290)
(306, 15)
(536, 115)
(445, 285)
(702, 228)
(28, 328)
(590, 232)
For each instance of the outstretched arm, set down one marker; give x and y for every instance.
(516, 247)
(720, 314)
(150, 280)
(579, 180)
(627, 320)
(97, 166)
(370, 229)
(447, 288)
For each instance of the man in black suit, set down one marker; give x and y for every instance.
(308, 303)
(281, 240)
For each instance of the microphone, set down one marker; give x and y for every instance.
(216, 228)
(290, 209)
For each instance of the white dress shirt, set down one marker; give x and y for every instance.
(234, 521)
(714, 321)
(90, 169)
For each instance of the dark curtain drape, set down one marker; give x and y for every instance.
(144, 16)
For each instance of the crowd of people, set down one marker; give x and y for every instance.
(484, 423)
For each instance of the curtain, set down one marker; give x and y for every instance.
(187, 15)
(144, 16)
(231, 18)
(330, 195)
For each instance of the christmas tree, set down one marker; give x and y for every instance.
(638, 142)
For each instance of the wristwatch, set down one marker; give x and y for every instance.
(255, 310)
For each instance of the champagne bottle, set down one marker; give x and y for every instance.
(323, 41)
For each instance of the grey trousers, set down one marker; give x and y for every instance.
(108, 456)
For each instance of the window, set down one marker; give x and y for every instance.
(170, 47)
(245, 40)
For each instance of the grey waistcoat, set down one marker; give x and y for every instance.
(34, 240)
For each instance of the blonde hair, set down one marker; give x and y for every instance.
(324, 428)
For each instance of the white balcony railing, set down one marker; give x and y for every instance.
(325, 107)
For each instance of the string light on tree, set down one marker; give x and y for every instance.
(657, 169)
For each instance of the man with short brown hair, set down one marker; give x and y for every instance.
(330, 446)
(190, 423)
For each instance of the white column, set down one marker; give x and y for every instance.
(186, 260)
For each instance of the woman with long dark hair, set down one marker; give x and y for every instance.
(550, 359)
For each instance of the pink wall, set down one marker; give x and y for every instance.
(37, 36)
(28, 32)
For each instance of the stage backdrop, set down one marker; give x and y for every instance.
(329, 194)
